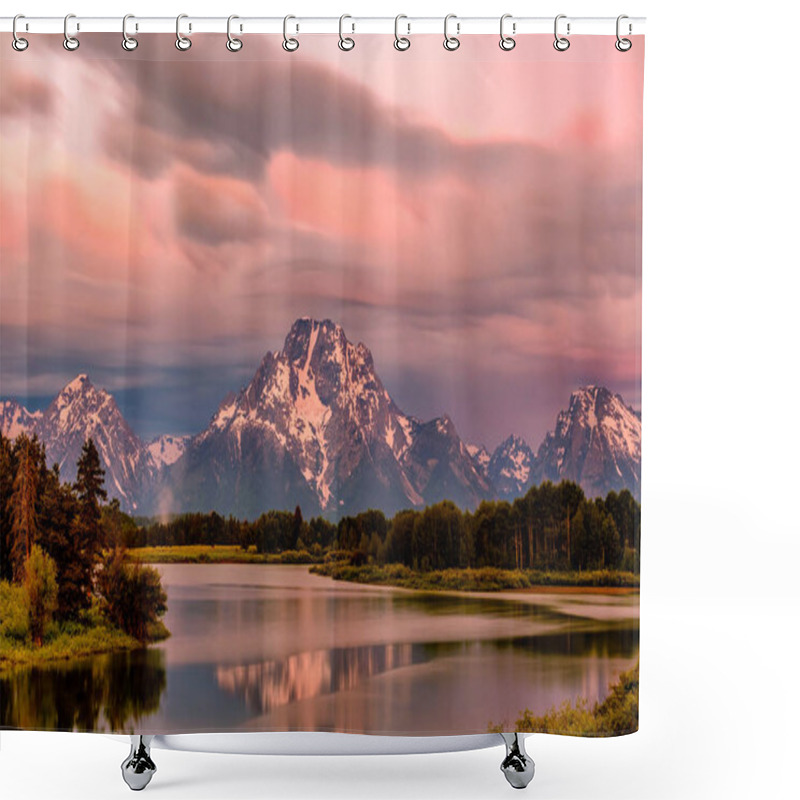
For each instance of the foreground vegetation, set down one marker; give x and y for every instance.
(87, 635)
(66, 586)
(616, 715)
(485, 579)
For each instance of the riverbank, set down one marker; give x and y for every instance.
(486, 579)
(616, 715)
(63, 642)
(217, 554)
(91, 634)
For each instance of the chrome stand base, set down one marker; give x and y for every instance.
(138, 768)
(517, 766)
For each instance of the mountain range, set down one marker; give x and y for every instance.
(316, 427)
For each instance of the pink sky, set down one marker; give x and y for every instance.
(472, 217)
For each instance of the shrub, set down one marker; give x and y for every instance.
(14, 622)
(41, 591)
(617, 714)
(133, 595)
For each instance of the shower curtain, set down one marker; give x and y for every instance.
(320, 385)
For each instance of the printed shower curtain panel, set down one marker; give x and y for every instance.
(320, 386)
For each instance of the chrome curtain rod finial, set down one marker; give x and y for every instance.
(17, 42)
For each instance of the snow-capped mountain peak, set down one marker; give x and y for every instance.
(167, 449)
(81, 411)
(16, 419)
(510, 467)
(597, 443)
(316, 424)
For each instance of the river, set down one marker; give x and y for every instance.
(274, 648)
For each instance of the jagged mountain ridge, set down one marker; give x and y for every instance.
(81, 411)
(16, 419)
(316, 427)
(596, 442)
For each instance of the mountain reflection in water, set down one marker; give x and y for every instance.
(274, 683)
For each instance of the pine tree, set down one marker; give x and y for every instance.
(23, 503)
(58, 512)
(87, 528)
(8, 470)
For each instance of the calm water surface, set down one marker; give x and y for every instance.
(272, 647)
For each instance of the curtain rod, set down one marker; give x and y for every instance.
(407, 25)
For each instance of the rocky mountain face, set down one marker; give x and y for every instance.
(167, 449)
(316, 427)
(597, 443)
(81, 411)
(510, 466)
(16, 419)
(78, 412)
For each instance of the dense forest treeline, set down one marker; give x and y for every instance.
(58, 559)
(553, 527)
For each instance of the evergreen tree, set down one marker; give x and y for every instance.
(59, 508)
(8, 469)
(87, 528)
(23, 503)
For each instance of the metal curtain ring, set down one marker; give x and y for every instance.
(507, 42)
(182, 42)
(451, 42)
(623, 45)
(561, 43)
(233, 44)
(345, 42)
(18, 43)
(401, 42)
(70, 42)
(289, 44)
(128, 42)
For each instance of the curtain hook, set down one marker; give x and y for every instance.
(128, 42)
(561, 43)
(401, 42)
(18, 43)
(289, 44)
(507, 42)
(346, 42)
(451, 42)
(623, 45)
(70, 42)
(182, 42)
(233, 44)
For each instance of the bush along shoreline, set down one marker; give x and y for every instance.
(616, 715)
(485, 579)
(67, 589)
